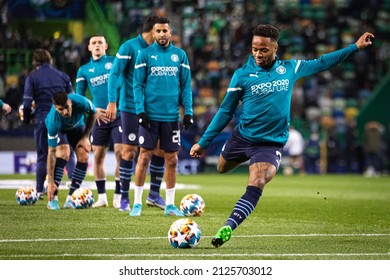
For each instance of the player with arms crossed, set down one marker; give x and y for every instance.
(264, 85)
(121, 81)
(94, 75)
(162, 78)
(66, 126)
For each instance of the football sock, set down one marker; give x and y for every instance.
(157, 169)
(71, 164)
(138, 194)
(170, 196)
(41, 175)
(125, 172)
(78, 176)
(244, 206)
(59, 170)
(117, 186)
(101, 185)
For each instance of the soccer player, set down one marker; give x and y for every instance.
(39, 88)
(264, 86)
(69, 122)
(121, 81)
(5, 107)
(162, 82)
(94, 75)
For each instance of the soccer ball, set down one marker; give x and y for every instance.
(184, 233)
(26, 196)
(192, 205)
(82, 198)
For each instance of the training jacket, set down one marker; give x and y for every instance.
(162, 82)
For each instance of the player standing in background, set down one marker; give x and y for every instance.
(69, 122)
(94, 75)
(162, 82)
(5, 107)
(264, 85)
(294, 148)
(121, 81)
(39, 88)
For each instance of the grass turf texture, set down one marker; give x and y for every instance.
(298, 217)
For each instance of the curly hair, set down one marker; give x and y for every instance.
(40, 57)
(266, 30)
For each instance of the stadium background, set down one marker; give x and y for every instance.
(335, 104)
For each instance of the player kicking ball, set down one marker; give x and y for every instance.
(264, 86)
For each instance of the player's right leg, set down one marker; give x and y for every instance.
(62, 156)
(140, 175)
(129, 125)
(40, 136)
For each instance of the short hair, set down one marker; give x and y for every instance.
(149, 22)
(266, 30)
(163, 20)
(60, 98)
(96, 35)
(41, 56)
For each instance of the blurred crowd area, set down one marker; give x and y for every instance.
(217, 38)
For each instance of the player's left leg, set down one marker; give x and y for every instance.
(70, 166)
(171, 159)
(40, 136)
(100, 175)
(80, 170)
(157, 168)
(116, 202)
(264, 163)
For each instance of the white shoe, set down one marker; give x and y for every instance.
(100, 203)
(116, 202)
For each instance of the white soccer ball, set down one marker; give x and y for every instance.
(26, 196)
(82, 198)
(192, 205)
(184, 233)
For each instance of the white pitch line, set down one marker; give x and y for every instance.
(203, 255)
(161, 237)
(15, 184)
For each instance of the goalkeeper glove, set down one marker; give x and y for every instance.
(187, 121)
(143, 120)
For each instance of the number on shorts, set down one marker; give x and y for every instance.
(176, 136)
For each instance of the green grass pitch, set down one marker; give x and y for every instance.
(325, 217)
